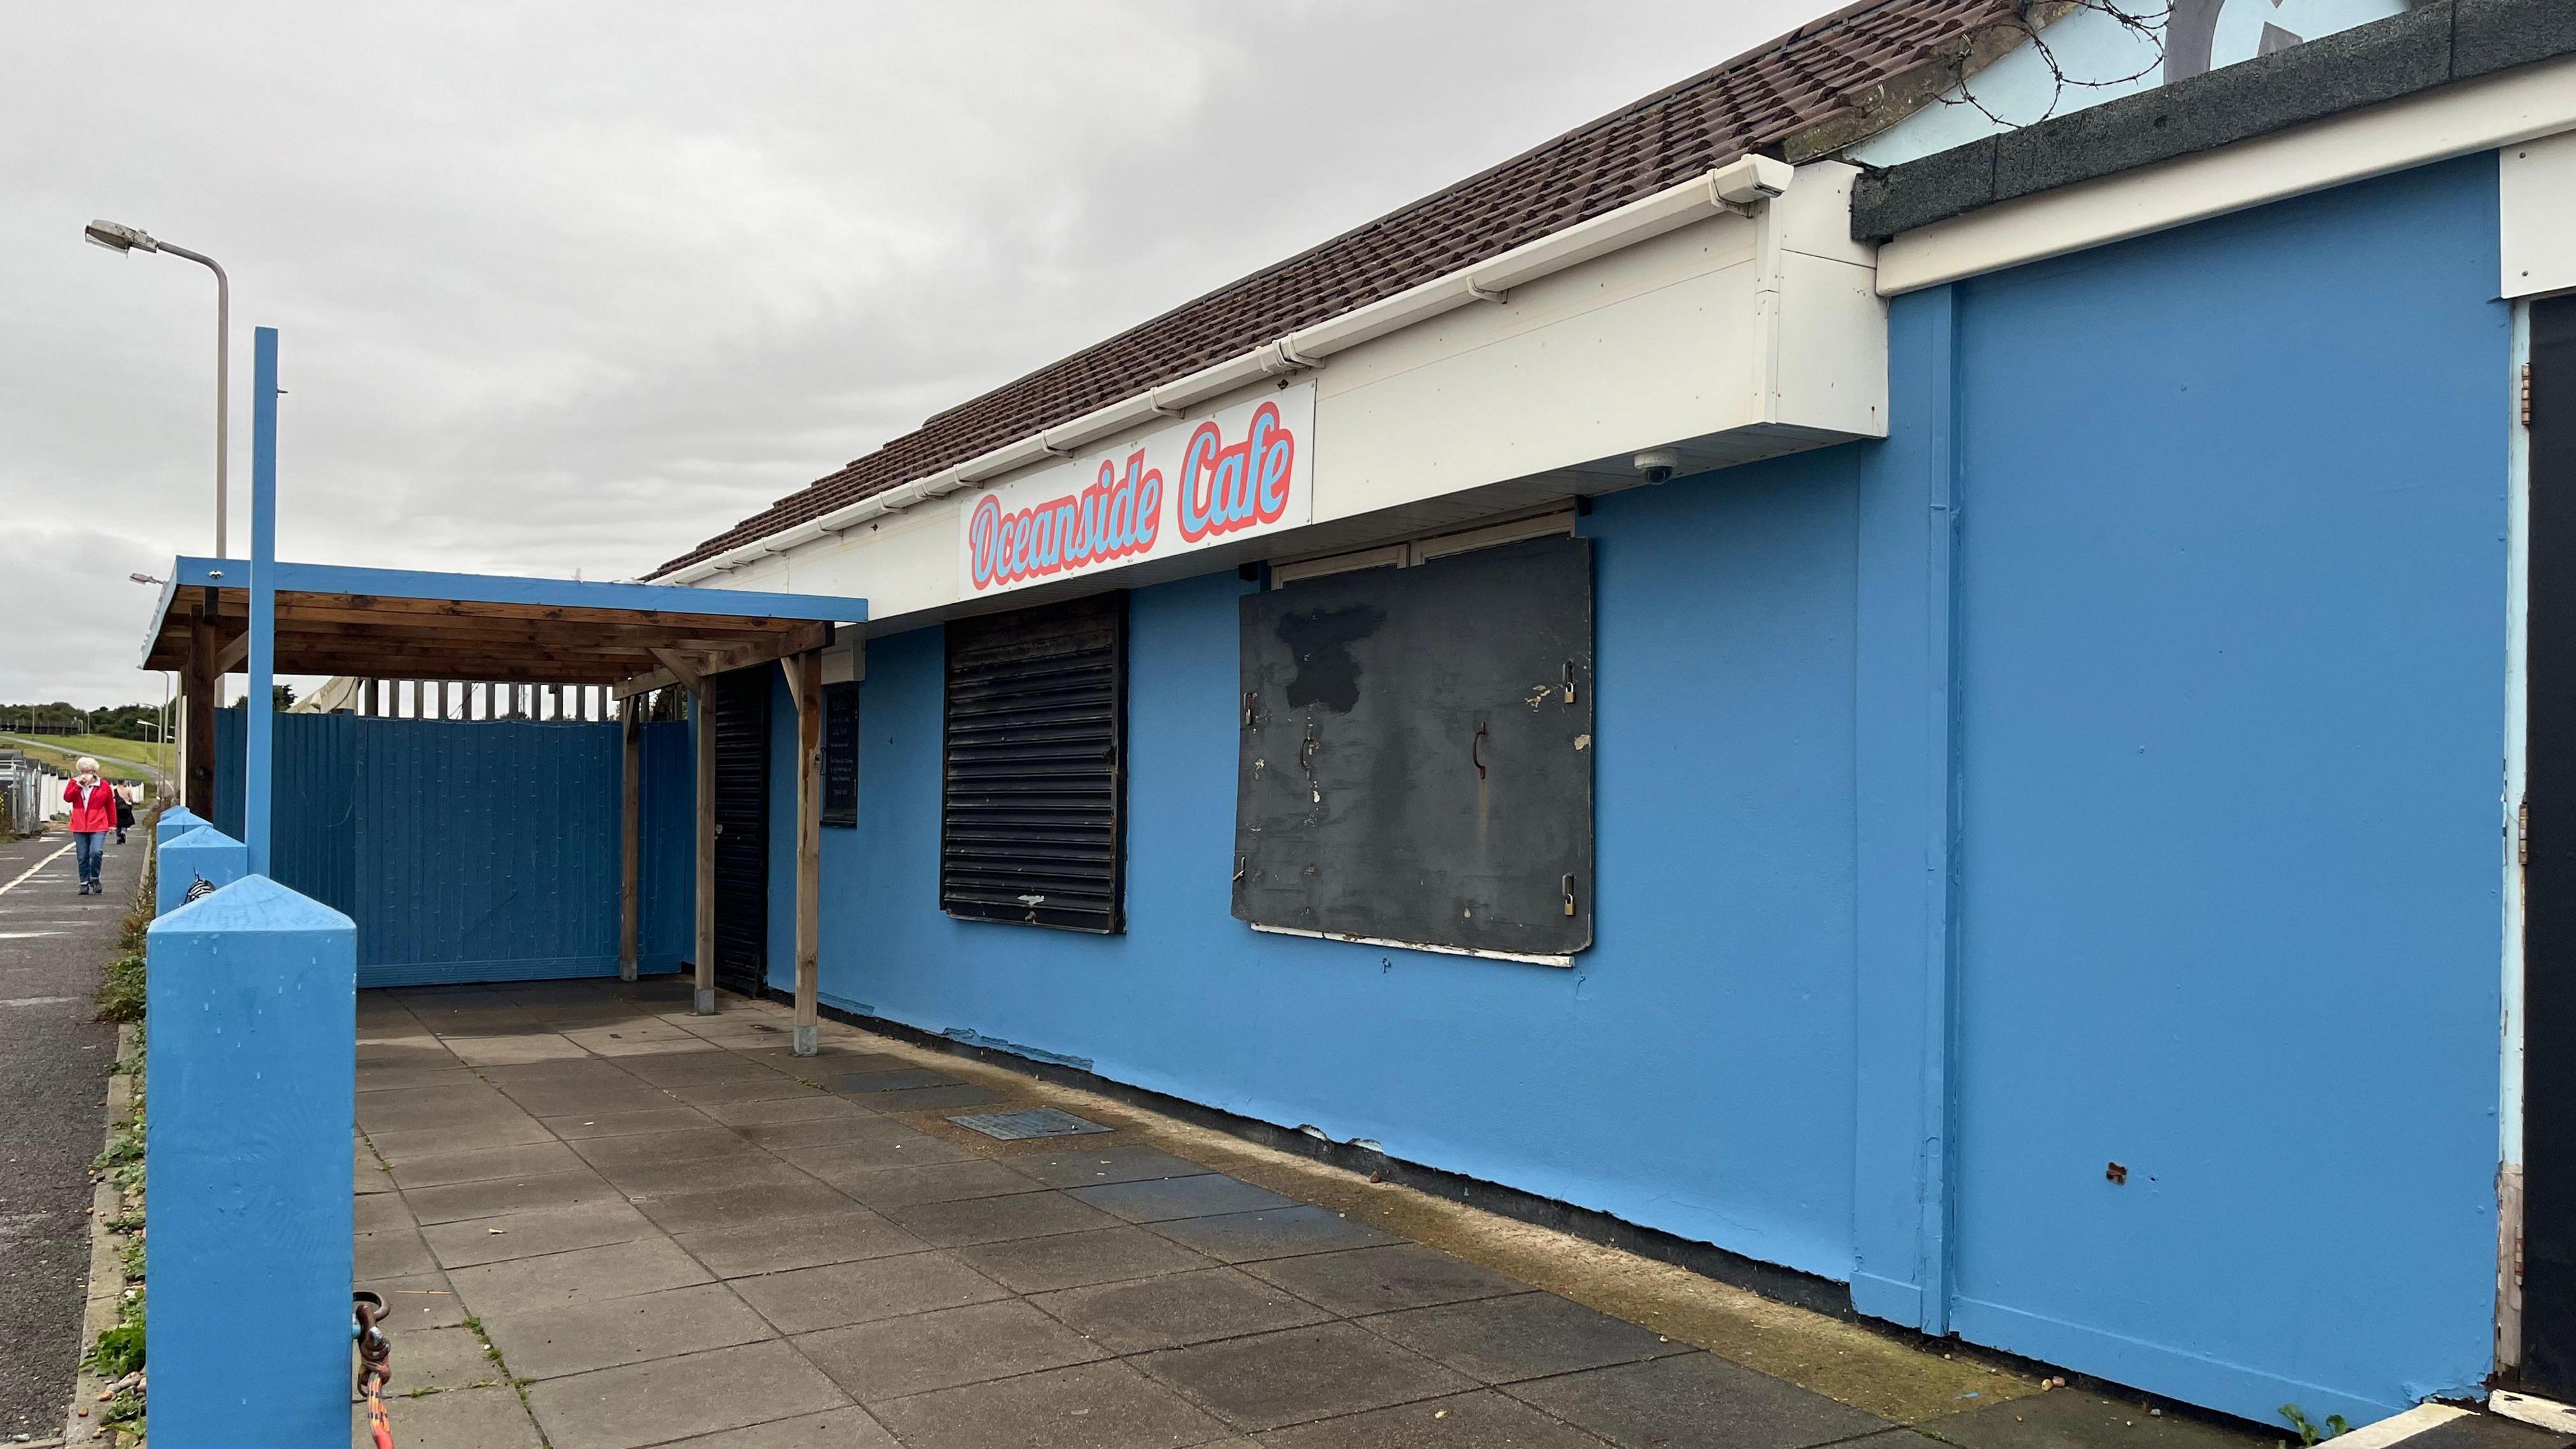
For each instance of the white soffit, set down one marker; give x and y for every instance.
(2536, 185)
(2479, 115)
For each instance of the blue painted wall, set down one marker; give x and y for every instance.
(2232, 680)
(473, 850)
(1692, 1073)
(2103, 768)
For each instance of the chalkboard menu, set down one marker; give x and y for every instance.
(841, 754)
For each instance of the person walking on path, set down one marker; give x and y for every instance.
(93, 803)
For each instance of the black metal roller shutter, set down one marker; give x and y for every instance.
(742, 829)
(1032, 820)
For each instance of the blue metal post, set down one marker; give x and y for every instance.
(252, 995)
(262, 706)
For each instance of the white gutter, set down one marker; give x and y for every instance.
(1736, 187)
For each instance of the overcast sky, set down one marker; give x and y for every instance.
(572, 287)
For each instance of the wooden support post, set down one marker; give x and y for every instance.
(705, 953)
(197, 685)
(805, 682)
(629, 850)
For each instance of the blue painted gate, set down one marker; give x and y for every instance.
(481, 850)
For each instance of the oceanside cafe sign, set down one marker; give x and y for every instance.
(1249, 469)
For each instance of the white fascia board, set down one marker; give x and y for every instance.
(2536, 210)
(1677, 317)
(2458, 120)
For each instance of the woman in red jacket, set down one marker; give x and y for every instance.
(93, 803)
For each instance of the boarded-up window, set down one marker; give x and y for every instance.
(1032, 819)
(1417, 753)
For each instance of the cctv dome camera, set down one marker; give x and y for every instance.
(1658, 464)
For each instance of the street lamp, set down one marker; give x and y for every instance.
(117, 237)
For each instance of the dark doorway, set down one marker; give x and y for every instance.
(2549, 866)
(742, 829)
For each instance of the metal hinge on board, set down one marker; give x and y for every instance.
(2526, 394)
(2522, 833)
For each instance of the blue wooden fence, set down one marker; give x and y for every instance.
(473, 850)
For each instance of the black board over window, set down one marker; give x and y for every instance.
(841, 754)
(1416, 762)
(1033, 799)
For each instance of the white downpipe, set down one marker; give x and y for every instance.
(1736, 187)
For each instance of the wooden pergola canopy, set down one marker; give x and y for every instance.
(402, 624)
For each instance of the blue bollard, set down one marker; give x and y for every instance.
(180, 860)
(178, 820)
(252, 996)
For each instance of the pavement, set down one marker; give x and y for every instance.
(54, 1062)
(605, 1222)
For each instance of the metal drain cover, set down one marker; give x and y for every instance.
(1023, 1125)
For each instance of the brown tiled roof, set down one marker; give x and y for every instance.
(1753, 101)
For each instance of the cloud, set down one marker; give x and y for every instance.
(572, 287)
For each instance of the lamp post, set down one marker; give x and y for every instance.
(117, 237)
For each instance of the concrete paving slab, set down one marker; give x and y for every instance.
(637, 1038)
(846, 1234)
(581, 1071)
(379, 1211)
(1469, 1421)
(893, 1357)
(442, 1359)
(392, 1252)
(494, 1051)
(573, 1338)
(1276, 1379)
(1526, 1336)
(516, 1129)
(411, 1078)
(1695, 1401)
(1177, 1309)
(1073, 1260)
(891, 1079)
(588, 1099)
(749, 1167)
(458, 1202)
(855, 1125)
(764, 1206)
(1089, 1406)
(1206, 1194)
(417, 1301)
(885, 1187)
(695, 1067)
(1381, 1280)
(994, 1219)
(700, 1143)
(1072, 1168)
(435, 1107)
(709, 1092)
(674, 1398)
(887, 1143)
(836, 1295)
(535, 1234)
(458, 1419)
(615, 1270)
(1286, 1233)
(935, 1099)
(837, 1428)
(809, 1105)
(579, 1126)
(482, 1165)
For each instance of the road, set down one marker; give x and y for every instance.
(54, 1063)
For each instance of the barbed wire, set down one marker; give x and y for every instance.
(2148, 22)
